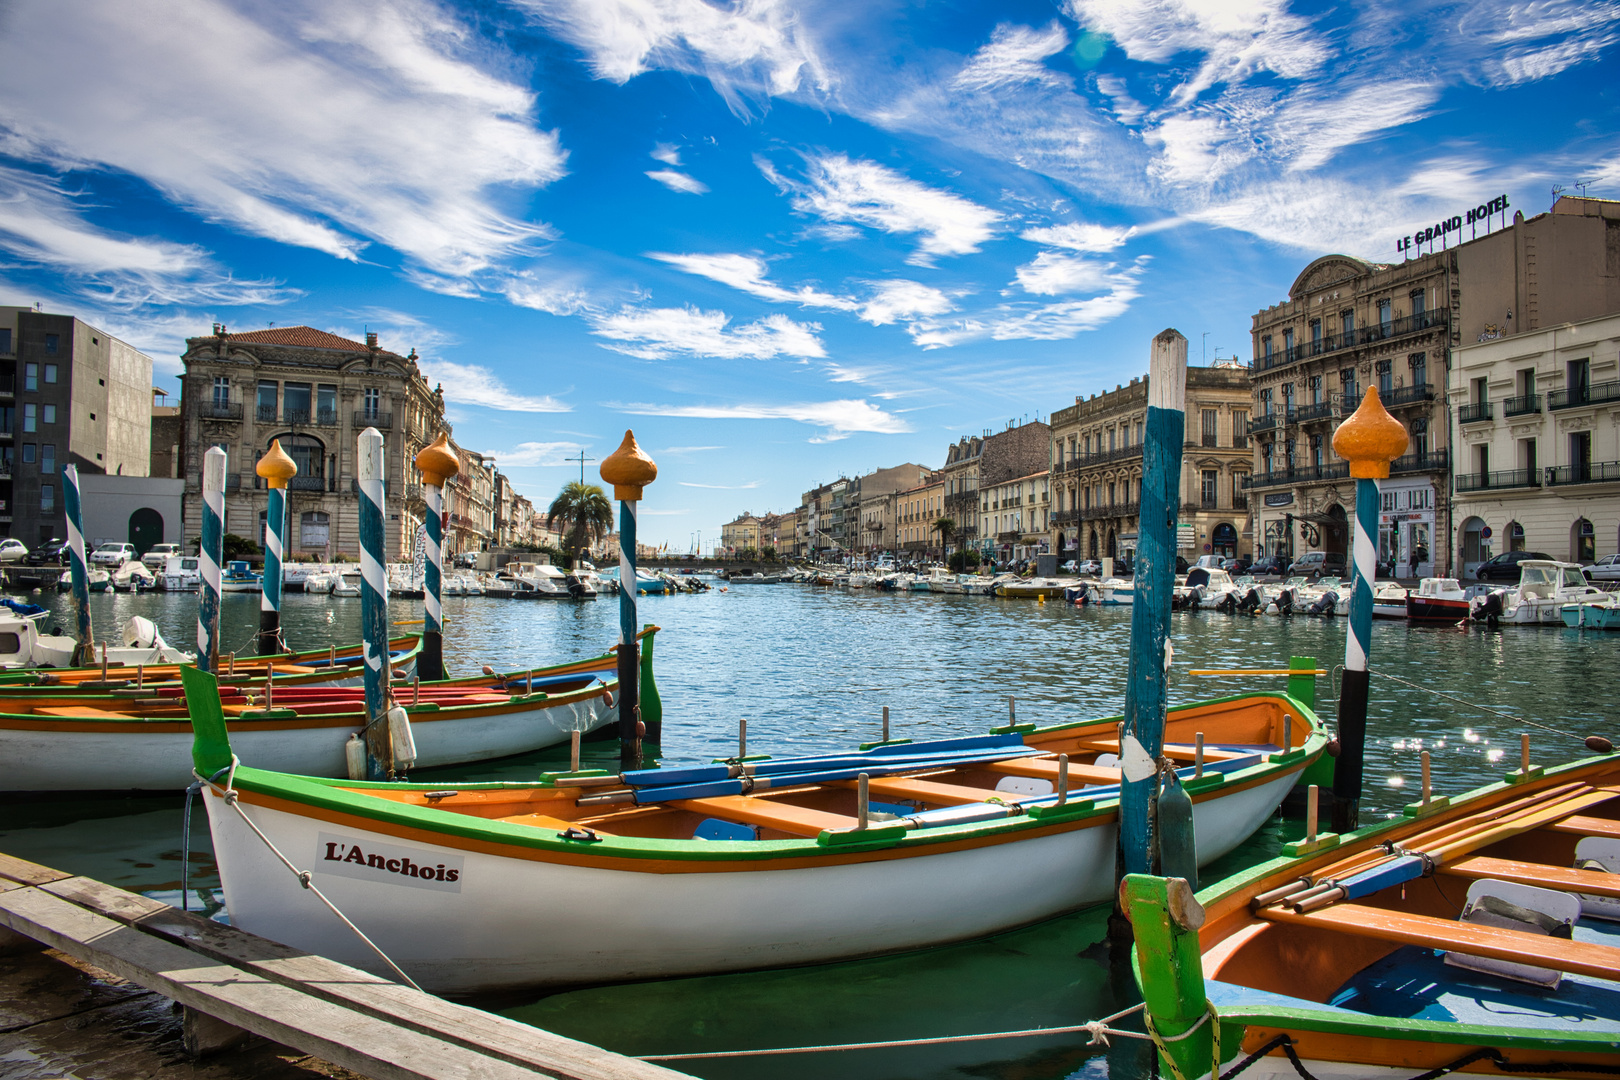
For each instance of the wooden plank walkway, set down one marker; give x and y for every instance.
(340, 1014)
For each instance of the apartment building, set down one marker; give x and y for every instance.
(1015, 516)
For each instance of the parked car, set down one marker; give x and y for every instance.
(1089, 566)
(49, 553)
(1319, 564)
(1269, 566)
(1605, 569)
(113, 554)
(12, 550)
(1505, 567)
(158, 554)
(1236, 565)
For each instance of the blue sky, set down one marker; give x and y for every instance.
(781, 240)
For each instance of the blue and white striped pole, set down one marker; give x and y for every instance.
(437, 465)
(1370, 439)
(1147, 678)
(84, 651)
(209, 556)
(629, 470)
(374, 604)
(276, 467)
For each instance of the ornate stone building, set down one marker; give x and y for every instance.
(985, 460)
(316, 392)
(1097, 468)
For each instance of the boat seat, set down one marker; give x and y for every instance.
(783, 817)
(84, 711)
(1528, 909)
(931, 792)
(545, 821)
(1426, 931)
(1047, 769)
(1601, 855)
(1584, 825)
(1173, 751)
(1528, 873)
(1025, 785)
(715, 829)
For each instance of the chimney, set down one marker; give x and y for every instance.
(371, 340)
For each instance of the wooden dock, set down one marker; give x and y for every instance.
(233, 984)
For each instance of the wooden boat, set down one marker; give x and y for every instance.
(1437, 600)
(240, 578)
(113, 742)
(24, 648)
(1034, 588)
(590, 878)
(1594, 614)
(1476, 936)
(140, 666)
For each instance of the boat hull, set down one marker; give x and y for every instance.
(529, 919)
(1435, 609)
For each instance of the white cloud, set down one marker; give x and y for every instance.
(536, 454)
(720, 487)
(660, 333)
(840, 189)
(1053, 273)
(668, 153)
(903, 300)
(1049, 322)
(469, 384)
(310, 123)
(688, 449)
(839, 418)
(525, 289)
(747, 273)
(756, 48)
(680, 182)
(1079, 236)
(1014, 56)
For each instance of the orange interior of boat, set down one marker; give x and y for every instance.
(804, 811)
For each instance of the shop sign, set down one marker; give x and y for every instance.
(1284, 499)
(1442, 230)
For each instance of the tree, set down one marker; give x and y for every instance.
(585, 514)
(946, 527)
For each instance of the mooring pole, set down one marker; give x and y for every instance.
(1369, 440)
(276, 468)
(374, 604)
(83, 652)
(209, 555)
(629, 470)
(437, 465)
(1146, 678)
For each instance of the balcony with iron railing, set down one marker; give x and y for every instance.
(1268, 422)
(1596, 394)
(1588, 472)
(1524, 405)
(315, 484)
(1498, 481)
(1475, 413)
(221, 410)
(295, 418)
(1300, 474)
(1429, 461)
(1349, 399)
(1103, 457)
(1407, 395)
(1240, 502)
(264, 414)
(1368, 335)
(380, 420)
(1065, 517)
(1304, 414)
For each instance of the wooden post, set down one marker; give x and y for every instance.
(629, 470)
(1166, 917)
(209, 556)
(374, 604)
(84, 651)
(1369, 440)
(276, 467)
(437, 465)
(1147, 680)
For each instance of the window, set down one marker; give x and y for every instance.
(295, 402)
(1386, 377)
(1481, 391)
(1209, 428)
(1482, 458)
(308, 453)
(1385, 315)
(49, 414)
(1316, 332)
(30, 417)
(1265, 401)
(1288, 396)
(1527, 381)
(266, 404)
(1316, 451)
(1420, 438)
(222, 391)
(1585, 542)
(313, 529)
(1515, 536)
(29, 453)
(1316, 389)
(47, 497)
(1265, 456)
(1580, 455)
(1288, 342)
(1419, 363)
(5, 339)
(1288, 451)
(1088, 445)
(47, 458)
(30, 377)
(1418, 305)
(1139, 433)
(50, 373)
(51, 342)
(1211, 477)
(325, 404)
(1111, 440)
(1347, 386)
(1110, 494)
(1240, 428)
(373, 403)
(1266, 343)
(1347, 320)
(1527, 457)
(1577, 375)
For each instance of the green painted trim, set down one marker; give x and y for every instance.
(1427, 1031)
(891, 742)
(1517, 777)
(1322, 842)
(1435, 804)
(210, 745)
(1207, 782)
(268, 714)
(1014, 729)
(1069, 811)
(873, 836)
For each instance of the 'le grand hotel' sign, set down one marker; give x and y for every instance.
(1442, 232)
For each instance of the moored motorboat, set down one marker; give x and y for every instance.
(1601, 614)
(1389, 600)
(589, 878)
(1474, 936)
(1545, 586)
(1437, 600)
(238, 577)
(1032, 588)
(96, 577)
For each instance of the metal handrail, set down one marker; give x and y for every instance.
(1507, 478)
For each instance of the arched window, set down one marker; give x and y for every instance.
(309, 454)
(1583, 542)
(1473, 543)
(1224, 539)
(1515, 536)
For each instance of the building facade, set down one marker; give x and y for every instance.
(69, 394)
(740, 534)
(1538, 443)
(1350, 324)
(1015, 516)
(315, 392)
(1097, 468)
(973, 463)
(917, 510)
(871, 506)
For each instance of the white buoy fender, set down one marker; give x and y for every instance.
(354, 754)
(399, 732)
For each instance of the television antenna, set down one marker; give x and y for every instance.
(582, 459)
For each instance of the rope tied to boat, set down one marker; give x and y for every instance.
(1160, 1041)
(305, 877)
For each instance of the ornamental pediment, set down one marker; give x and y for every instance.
(1326, 271)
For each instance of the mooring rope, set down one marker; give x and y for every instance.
(1480, 708)
(1099, 1030)
(228, 793)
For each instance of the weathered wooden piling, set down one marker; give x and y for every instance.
(374, 604)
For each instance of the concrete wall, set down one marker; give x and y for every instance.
(108, 502)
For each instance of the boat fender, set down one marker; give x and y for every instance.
(399, 734)
(354, 755)
(1178, 848)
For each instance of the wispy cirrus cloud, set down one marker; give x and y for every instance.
(1080, 236)
(899, 300)
(470, 384)
(840, 419)
(1015, 55)
(327, 126)
(747, 273)
(661, 333)
(720, 487)
(679, 181)
(537, 455)
(842, 190)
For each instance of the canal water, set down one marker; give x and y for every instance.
(811, 670)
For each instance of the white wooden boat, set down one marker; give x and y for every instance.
(22, 646)
(591, 878)
(1545, 586)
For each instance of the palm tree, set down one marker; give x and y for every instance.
(585, 513)
(946, 527)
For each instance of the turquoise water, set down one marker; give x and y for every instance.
(810, 670)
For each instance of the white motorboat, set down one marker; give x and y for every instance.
(1203, 587)
(99, 579)
(320, 582)
(1115, 592)
(1437, 600)
(23, 646)
(347, 584)
(1545, 586)
(133, 576)
(181, 574)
